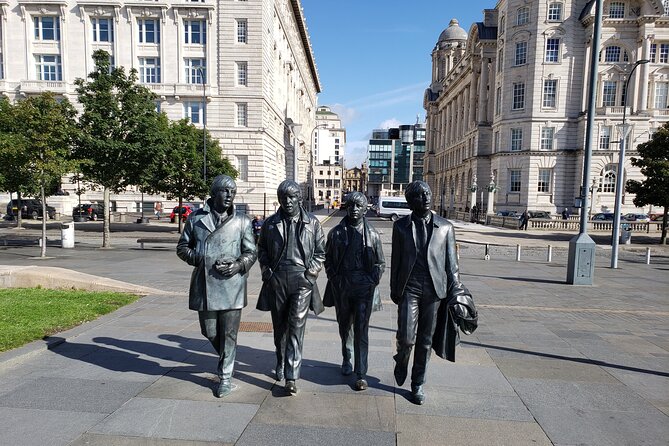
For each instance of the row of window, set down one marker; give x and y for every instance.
(555, 13)
(607, 180)
(47, 28)
(195, 111)
(546, 141)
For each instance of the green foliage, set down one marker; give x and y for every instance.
(121, 129)
(30, 314)
(179, 173)
(654, 163)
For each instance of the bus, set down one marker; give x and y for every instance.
(392, 207)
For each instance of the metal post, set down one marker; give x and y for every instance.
(619, 175)
(517, 253)
(549, 256)
(204, 124)
(487, 252)
(647, 256)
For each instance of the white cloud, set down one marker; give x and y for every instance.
(346, 114)
(356, 153)
(388, 123)
(390, 94)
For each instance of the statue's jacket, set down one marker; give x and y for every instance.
(335, 251)
(202, 244)
(443, 265)
(271, 245)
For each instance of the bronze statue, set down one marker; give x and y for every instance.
(219, 243)
(354, 264)
(425, 284)
(291, 251)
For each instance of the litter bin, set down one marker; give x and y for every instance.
(626, 235)
(67, 235)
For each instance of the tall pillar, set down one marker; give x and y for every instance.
(645, 54)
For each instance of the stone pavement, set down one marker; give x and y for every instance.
(550, 363)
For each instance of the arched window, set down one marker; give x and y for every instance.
(608, 180)
(613, 54)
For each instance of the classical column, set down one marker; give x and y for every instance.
(645, 54)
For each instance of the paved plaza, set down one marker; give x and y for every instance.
(550, 363)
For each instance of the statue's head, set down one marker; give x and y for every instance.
(356, 207)
(419, 197)
(290, 197)
(223, 191)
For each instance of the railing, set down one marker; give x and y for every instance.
(40, 86)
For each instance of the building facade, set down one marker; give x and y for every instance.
(507, 106)
(355, 179)
(328, 139)
(245, 68)
(395, 159)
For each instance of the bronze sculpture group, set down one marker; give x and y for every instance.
(291, 250)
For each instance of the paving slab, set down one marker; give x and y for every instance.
(418, 430)
(271, 434)
(117, 440)
(178, 419)
(554, 369)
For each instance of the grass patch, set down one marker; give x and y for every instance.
(27, 314)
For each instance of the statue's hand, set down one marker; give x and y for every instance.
(229, 269)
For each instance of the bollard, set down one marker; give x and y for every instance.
(517, 253)
(487, 252)
(67, 235)
(549, 257)
(457, 250)
(647, 256)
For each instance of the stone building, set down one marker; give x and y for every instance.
(252, 57)
(507, 106)
(328, 139)
(355, 179)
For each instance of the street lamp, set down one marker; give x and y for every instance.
(491, 191)
(472, 188)
(312, 181)
(624, 130)
(204, 122)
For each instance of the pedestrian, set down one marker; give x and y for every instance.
(158, 209)
(425, 282)
(291, 252)
(354, 263)
(524, 219)
(218, 283)
(565, 214)
(257, 226)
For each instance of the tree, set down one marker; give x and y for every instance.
(120, 130)
(179, 173)
(654, 163)
(40, 132)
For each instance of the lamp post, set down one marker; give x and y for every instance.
(312, 184)
(202, 72)
(624, 130)
(491, 193)
(472, 189)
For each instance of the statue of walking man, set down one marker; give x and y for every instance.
(354, 263)
(291, 252)
(219, 243)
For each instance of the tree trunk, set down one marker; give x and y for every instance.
(106, 242)
(179, 215)
(45, 216)
(663, 237)
(19, 220)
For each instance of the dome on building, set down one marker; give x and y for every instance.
(453, 32)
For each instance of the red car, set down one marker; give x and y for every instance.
(186, 210)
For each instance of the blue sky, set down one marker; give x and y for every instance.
(373, 58)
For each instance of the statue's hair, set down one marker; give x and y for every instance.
(359, 198)
(221, 182)
(288, 186)
(415, 188)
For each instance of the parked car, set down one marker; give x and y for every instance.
(507, 214)
(603, 216)
(636, 217)
(186, 210)
(30, 208)
(91, 211)
(539, 214)
(656, 217)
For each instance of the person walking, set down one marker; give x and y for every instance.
(524, 219)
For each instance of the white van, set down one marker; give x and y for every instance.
(393, 207)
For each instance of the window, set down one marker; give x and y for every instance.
(242, 71)
(500, 60)
(502, 25)
(242, 31)
(544, 180)
(149, 70)
(242, 167)
(158, 106)
(552, 50)
(555, 12)
(616, 10)
(195, 32)
(661, 95)
(521, 53)
(547, 137)
(2, 72)
(523, 16)
(48, 67)
(47, 28)
(149, 30)
(498, 100)
(605, 137)
(550, 93)
(514, 180)
(196, 71)
(664, 53)
(242, 115)
(194, 110)
(609, 93)
(612, 54)
(518, 96)
(516, 140)
(496, 147)
(103, 30)
(609, 181)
